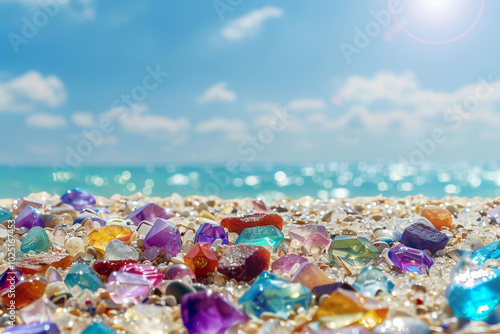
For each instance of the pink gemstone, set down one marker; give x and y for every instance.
(311, 236)
(151, 273)
(495, 212)
(310, 276)
(125, 288)
(286, 262)
(259, 206)
(21, 203)
(178, 271)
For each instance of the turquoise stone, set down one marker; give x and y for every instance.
(99, 328)
(267, 235)
(35, 240)
(5, 215)
(82, 275)
(269, 293)
(491, 251)
(371, 280)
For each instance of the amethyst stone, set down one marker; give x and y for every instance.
(204, 313)
(208, 233)
(10, 277)
(422, 236)
(410, 259)
(79, 199)
(29, 218)
(286, 262)
(34, 328)
(164, 234)
(149, 212)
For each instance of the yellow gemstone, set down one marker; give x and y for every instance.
(100, 238)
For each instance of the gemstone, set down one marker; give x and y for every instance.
(151, 253)
(152, 274)
(149, 212)
(164, 234)
(410, 259)
(10, 277)
(148, 318)
(402, 325)
(201, 260)
(209, 232)
(269, 293)
(94, 218)
(101, 237)
(105, 268)
(29, 218)
(40, 263)
(259, 206)
(99, 328)
(178, 271)
(238, 224)
(486, 253)
(310, 276)
(438, 216)
(40, 310)
(34, 328)
(27, 291)
(83, 276)
(5, 215)
(243, 262)
(126, 287)
(204, 313)
(35, 240)
(371, 280)
(328, 289)
(79, 199)
(23, 202)
(285, 263)
(421, 236)
(118, 250)
(346, 307)
(311, 236)
(358, 252)
(261, 236)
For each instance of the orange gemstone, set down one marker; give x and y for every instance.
(100, 238)
(439, 217)
(238, 224)
(40, 263)
(201, 259)
(26, 292)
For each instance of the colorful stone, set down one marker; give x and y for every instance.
(371, 280)
(209, 232)
(118, 250)
(19, 205)
(99, 328)
(101, 237)
(83, 276)
(269, 293)
(421, 236)
(125, 288)
(10, 277)
(94, 218)
(40, 263)
(36, 240)
(243, 262)
(438, 216)
(261, 236)
(238, 224)
(78, 199)
(328, 289)
(311, 236)
(27, 291)
(105, 268)
(285, 263)
(149, 212)
(164, 234)
(486, 253)
(355, 251)
(34, 328)
(29, 218)
(410, 259)
(178, 271)
(5, 215)
(152, 274)
(201, 260)
(40, 310)
(310, 276)
(204, 313)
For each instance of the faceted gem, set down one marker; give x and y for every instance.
(152, 274)
(328, 289)
(27, 291)
(5, 215)
(164, 234)
(358, 252)
(204, 313)
(34, 328)
(100, 238)
(410, 259)
(178, 271)
(40, 310)
(486, 253)
(259, 206)
(201, 260)
(238, 224)
(371, 280)
(311, 236)
(261, 236)
(345, 307)
(149, 212)
(438, 216)
(10, 277)
(40, 263)
(310, 276)
(269, 293)
(118, 250)
(421, 236)
(23, 202)
(82, 275)
(29, 218)
(35, 240)
(285, 263)
(99, 328)
(243, 262)
(125, 287)
(402, 325)
(208, 233)
(94, 218)
(105, 268)
(79, 199)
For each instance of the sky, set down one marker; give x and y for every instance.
(85, 82)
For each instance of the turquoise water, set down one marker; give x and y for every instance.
(268, 181)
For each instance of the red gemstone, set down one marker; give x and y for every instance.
(201, 259)
(238, 224)
(244, 262)
(105, 268)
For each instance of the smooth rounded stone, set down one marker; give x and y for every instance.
(199, 287)
(421, 236)
(53, 221)
(238, 224)
(244, 262)
(438, 216)
(402, 325)
(79, 199)
(118, 250)
(178, 271)
(29, 218)
(63, 209)
(178, 289)
(5, 215)
(35, 240)
(74, 246)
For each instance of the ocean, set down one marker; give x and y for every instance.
(266, 180)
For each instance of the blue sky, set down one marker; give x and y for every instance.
(254, 81)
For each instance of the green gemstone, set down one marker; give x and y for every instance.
(82, 275)
(5, 215)
(261, 236)
(35, 240)
(357, 252)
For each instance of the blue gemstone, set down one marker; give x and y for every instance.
(82, 275)
(208, 233)
(371, 280)
(267, 235)
(491, 251)
(99, 328)
(35, 240)
(5, 215)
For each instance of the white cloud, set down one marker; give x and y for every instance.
(46, 121)
(218, 92)
(306, 104)
(251, 23)
(233, 130)
(85, 119)
(30, 90)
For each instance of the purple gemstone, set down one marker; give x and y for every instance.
(151, 273)
(311, 236)
(328, 289)
(29, 218)
(164, 234)
(410, 259)
(94, 218)
(21, 203)
(34, 328)
(79, 199)
(204, 313)
(151, 253)
(178, 271)
(208, 233)
(422, 236)
(126, 287)
(286, 262)
(149, 212)
(10, 277)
